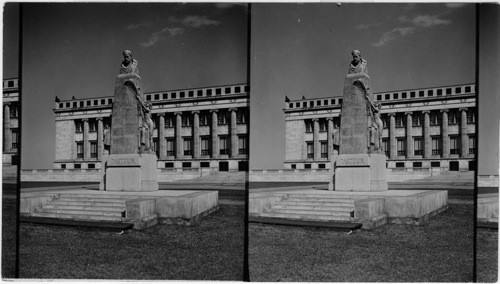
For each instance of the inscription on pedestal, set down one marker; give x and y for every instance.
(124, 161)
(353, 162)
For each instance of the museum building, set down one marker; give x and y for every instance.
(10, 122)
(433, 128)
(194, 128)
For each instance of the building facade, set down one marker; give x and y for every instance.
(11, 132)
(194, 128)
(423, 128)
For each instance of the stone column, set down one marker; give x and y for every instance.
(86, 144)
(427, 135)
(100, 138)
(233, 132)
(393, 152)
(161, 136)
(215, 135)
(317, 154)
(7, 134)
(444, 134)
(196, 134)
(464, 139)
(330, 136)
(178, 135)
(409, 136)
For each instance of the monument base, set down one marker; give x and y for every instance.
(358, 172)
(129, 172)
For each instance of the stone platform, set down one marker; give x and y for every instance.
(372, 209)
(143, 209)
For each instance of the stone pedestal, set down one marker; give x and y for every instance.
(130, 172)
(358, 172)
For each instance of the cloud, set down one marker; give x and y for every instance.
(163, 34)
(229, 5)
(136, 26)
(416, 23)
(179, 26)
(365, 26)
(425, 21)
(455, 5)
(195, 21)
(392, 34)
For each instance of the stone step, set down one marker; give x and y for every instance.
(316, 203)
(80, 212)
(322, 196)
(314, 208)
(319, 199)
(86, 207)
(77, 217)
(309, 212)
(88, 199)
(312, 217)
(97, 196)
(86, 203)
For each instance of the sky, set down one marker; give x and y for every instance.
(76, 50)
(304, 50)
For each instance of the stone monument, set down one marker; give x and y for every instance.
(131, 163)
(361, 163)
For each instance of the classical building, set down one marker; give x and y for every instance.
(10, 122)
(423, 128)
(194, 128)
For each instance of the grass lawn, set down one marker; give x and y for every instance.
(9, 223)
(439, 251)
(210, 250)
(487, 255)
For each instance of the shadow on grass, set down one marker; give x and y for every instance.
(439, 251)
(210, 250)
(9, 232)
(487, 255)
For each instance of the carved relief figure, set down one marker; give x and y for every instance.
(377, 127)
(146, 127)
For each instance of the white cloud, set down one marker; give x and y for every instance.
(392, 34)
(425, 21)
(158, 36)
(136, 26)
(195, 21)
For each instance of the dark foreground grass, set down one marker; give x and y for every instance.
(9, 233)
(487, 255)
(210, 250)
(439, 251)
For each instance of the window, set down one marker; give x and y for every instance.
(307, 166)
(458, 90)
(173, 95)
(223, 145)
(401, 146)
(436, 145)
(400, 120)
(91, 166)
(10, 84)
(294, 166)
(242, 144)
(385, 146)
(170, 147)
(205, 145)
(472, 144)
(387, 96)
(191, 94)
(78, 126)
(79, 149)
(222, 117)
(169, 165)
(237, 90)
(435, 164)
(93, 149)
(454, 145)
(157, 97)
(78, 166)
(15, 138)
(310, 150)
(290, 105)
(164, 96)
(241, 116)
(435, 118)
(430, 93)
(323, 125)
(199, 93)
(468, 89)
(321, 166)
(400, 164)
(311, 103)
(209, 92)
(63, 166)
(471, 116)
(186, 145)
(417, 119)
(218, 91)
(155, 144)
(453, 117)
(324, 149)
(204, 164)
(186, 164)
(14, 110)
(93, 125)
(182, 94)
(396, 96)
(417, 164)
(169, 121)
(186, 119)
(448, 91)
(318, 103)
(420, 94)
(417, 146)
(309, 126)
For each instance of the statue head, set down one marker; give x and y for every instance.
(127, 56)
(356, 55)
